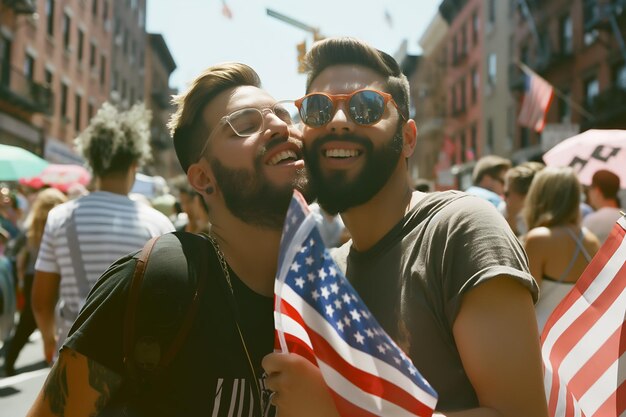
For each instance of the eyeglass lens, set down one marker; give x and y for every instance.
(364, 107)
(247, 122)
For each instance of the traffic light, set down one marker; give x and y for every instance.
(301, 53)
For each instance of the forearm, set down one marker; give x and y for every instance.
(44, 317)
(44, 298)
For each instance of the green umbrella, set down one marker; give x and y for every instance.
(16, 163)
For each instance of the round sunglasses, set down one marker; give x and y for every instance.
(365, 107)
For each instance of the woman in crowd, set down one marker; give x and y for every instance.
(34, 226)
(558, 248)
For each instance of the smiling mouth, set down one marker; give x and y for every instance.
(341, 153)
(283, 157)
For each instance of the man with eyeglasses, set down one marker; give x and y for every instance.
(442, 272)
(242, 154)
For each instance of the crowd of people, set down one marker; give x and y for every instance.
(462, 281)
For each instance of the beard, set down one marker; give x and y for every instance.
(335, 191)
(251, 197)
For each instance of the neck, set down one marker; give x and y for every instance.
(251, 251)
(118, 183)
(387, 207)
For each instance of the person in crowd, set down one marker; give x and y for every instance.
(558, 248)
(488, 178)
(34, 225)
(602, 195)
(442, 272)
(516, 184)
(242, 154)
(10, 212)
(195, 207)
(84, 236)
(8, 303)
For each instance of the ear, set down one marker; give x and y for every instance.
(200, 177)
(409, 136)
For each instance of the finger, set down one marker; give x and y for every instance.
(273, 382)
(273, 362)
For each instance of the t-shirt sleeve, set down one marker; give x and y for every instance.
(46, 259)
(476, 245)
(98, 331)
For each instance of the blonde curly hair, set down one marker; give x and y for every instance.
(114, 140)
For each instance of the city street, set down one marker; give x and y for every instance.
(18, 392)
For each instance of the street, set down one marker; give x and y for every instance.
(18, 392)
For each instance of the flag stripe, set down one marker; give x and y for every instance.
(536, 102)
(615, 405)
(377, 385)
(601, 390)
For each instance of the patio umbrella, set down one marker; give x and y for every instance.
(16, 163)
(590, 151)
(59, 176)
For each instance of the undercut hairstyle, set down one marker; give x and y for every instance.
(114, 140)
(351, 51)
(187, 126)
(553, 198)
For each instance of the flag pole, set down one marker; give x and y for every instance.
(580, 109)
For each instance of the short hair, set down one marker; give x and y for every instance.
(490, 166)
(521, 176)
(187, 126)
(114, 140)
(607, 182)
(553, 198)
(351, 51)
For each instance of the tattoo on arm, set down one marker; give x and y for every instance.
(55, 390)
(103, 381)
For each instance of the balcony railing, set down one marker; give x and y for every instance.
(22, 92)
(21, 6)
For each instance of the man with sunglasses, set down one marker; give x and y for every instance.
(488, 178)
(242, 154)
(442, 272)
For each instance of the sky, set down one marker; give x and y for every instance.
(199, 35)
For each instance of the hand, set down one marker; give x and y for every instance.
(298, 386)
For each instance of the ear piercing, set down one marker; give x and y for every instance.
(209, 190)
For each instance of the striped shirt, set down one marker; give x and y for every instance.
(108, 227)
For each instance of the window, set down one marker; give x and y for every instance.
(492, 11)
(29, 67)
(524, 137)
(591, 13)
(123, 89)
(114, 79)
(463, 147)
(131, 99)
(462, 85)
(490, 137)
(92, 55)
(475, 27)
(592, 89)
(620, 77)
(48, 77)
(565, 111)
(492, 64)
(125, 42)
(67, 23)
(464, 39)
(94, 9)
(473, 142)
(103, 69)
(90, 110)
(50, 17)
(64, 89)
(567, 34)
(77, 104)
(81, 41)
(105, 10)
(475, 84)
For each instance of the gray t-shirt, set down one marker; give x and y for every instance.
(414, 278)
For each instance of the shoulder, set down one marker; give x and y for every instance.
(459, 209)
(538, 236)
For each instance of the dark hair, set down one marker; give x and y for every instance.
(350, 51)
(520, 177)
(187, 126)
(607, 182)
(490, 166)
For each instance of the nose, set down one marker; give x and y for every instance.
(277, 126)
(340, 121)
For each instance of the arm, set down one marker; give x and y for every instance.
(299, 387)
(533, 245)
(44, 298)
(496, 335)
(76, 386)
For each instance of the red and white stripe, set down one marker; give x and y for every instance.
(536, 102)
(361, 384)
(584, 340)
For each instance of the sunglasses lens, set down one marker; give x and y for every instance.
(316, 110)
(246, 122)
(367, 107)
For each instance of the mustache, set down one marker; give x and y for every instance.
(272, 143)
(331, 137)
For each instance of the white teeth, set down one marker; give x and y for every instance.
(281, 156)
(341, 153)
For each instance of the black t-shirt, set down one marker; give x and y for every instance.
(210, 375)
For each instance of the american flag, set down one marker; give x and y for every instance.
(584, 340)
(536, 101)
(319, 316)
